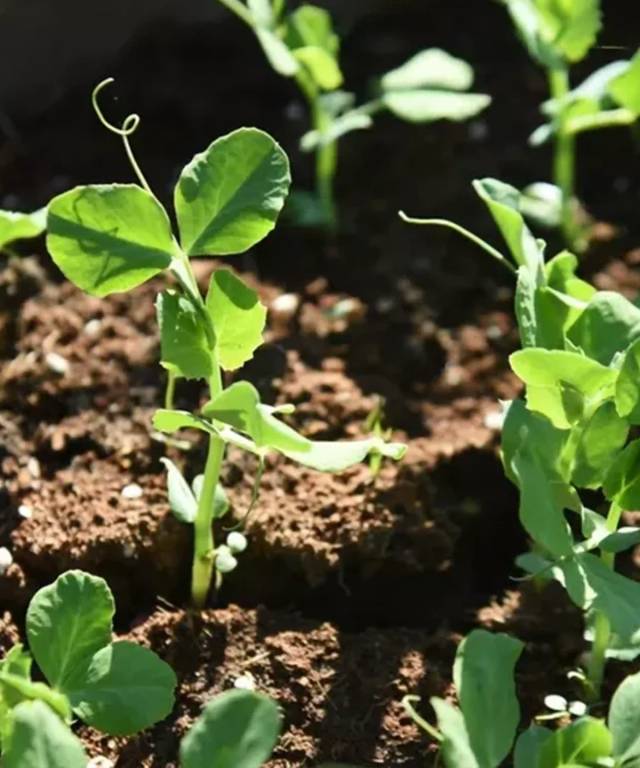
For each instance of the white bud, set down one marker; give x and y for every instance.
(237, 542)
(6, 558)
(245, 682)
(578, 708)
(225, 561)
(556, 703)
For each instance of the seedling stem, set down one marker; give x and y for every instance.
(564, 153)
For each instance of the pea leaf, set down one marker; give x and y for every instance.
(625, 89)
(627, 394)
(503, 202)
(608, 325)
(237, 729)
(228, 197)
(430, 68)
(528, 746)
(456, 748)
(601, 439)
(321, 65)
(277, 52)
(624, 721)
(238, 319)
(483, 675)
(184, 346)
(67, 623)
(622, 539)
(39, 738)
(17, 662)
(622, 483)
(125, 689)
(337, 456)
(17, 688)
(570, 26)
(526, 19)
(583, 742)
(109, 238)
(170, 421)
(19, 226)
(426, 106)
(182, 499)
(309, 34)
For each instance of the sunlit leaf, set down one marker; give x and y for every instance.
(18, 226)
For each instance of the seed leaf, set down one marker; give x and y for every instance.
(18, 226)
(125, 689)
(109, 238)
(426, 105)
(67, 623)
(456, 748)
(430, 68)
(528, 746)
(182, 500)
(583, 742)
(624, 721)
(228, 197)
(237, 729)
(39, 738)
(483, 675)
(609, 324)
(184, 347)
(238, 319)
(625, 89)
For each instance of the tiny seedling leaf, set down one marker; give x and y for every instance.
(39, 739)
(627, 395)
(624, 721)
(455, 748)
(609, 324)
(126, 688)
(169, 421)
(67, 623)
(338, 456)
(431, 68)
(19, 226)
(17, 688)
(184, 348)
(582, 743)
(238, 319)
(277, 52)
(625, 89)
(237, 729)
(426, 105)
(310, 36)
(483, 675)
(109, 238)
(182, 499)
(228, 197)
(570, 27)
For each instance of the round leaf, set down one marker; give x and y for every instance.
(237, 729)
(228, 197)
(126, 688)
(109, 238)
(67, 623)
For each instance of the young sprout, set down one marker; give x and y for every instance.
(118, 687)
(303, 45)
(110, 238)
(20, 226)
(558, 35)
(573, 433)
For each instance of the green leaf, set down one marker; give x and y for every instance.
(309, 33)
(338, 456)
(625, 89)
(528, 746)
(19, 226)
(503, 202)
(581, 743)
(571, 26)
(526, 19)
(483, 675)
(109, 238)
(608, 325)
(540, 510)
(338, 127)
(602, 438)
(238, 318)
(456, 748)
(277, 52)
(182, 500)
(239, 406)
(228, 197)
(39, 739)
(525, 306)
(262, 12)
(237, 729)
(170, 421)
(622, 483)
(17, 688)
(184, 348)
(125, 689)
(622, 539)
(321, 65)
(430, 68)
(17, 662)
(624, 721)
(67, 623)
(426, 105)
(627, 395)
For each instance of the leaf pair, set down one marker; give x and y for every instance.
(109, 238)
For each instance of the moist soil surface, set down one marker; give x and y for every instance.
(355, 588)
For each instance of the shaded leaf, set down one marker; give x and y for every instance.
(609, 324)
(581, 743)
(622, 483)
(184, 347)
(602, 438)
(456, 748)
(528, 746)
(622, 539)
(627, 394)
(182, 500)
(624, 721)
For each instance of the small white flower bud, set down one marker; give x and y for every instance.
(225, 561)
(237, 542)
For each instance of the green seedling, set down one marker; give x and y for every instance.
(557, 35)
(481, 731)
(111, 238)
(580, 363)
(20, 226)
(303, 45)
(118, 687)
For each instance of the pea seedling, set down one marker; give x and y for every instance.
(481, 731)
(302, 45)
(580, 363)
(20, 226)
(557, 35)
(110, 238)
(117, 687)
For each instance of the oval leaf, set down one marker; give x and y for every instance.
(431, 68)
(17, 226)
(181, 498)
(425, 106)
(184, 346)
(582, 743)
(109, 238)
(228, 197)
(624, 720)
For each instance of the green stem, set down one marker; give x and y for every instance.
(564, 154)
(170, 391)
(602, 628)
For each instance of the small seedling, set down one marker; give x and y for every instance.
(20, 226)
(558, 35)
(112, 238)
(118, 688)
(303, 45)
(580, 363)
(480, 732)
